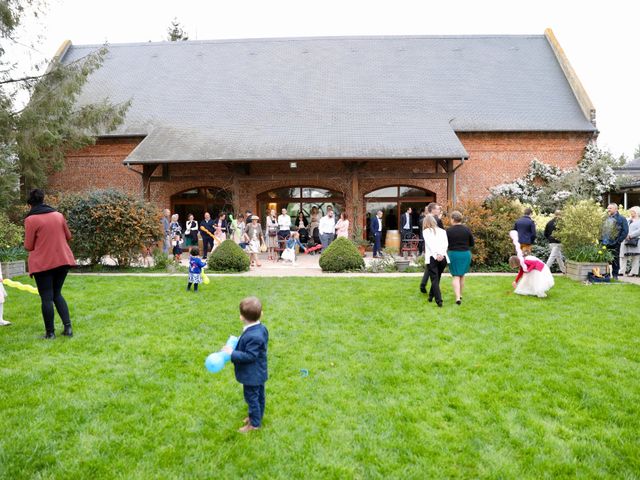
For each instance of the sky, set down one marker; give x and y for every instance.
(601, 39)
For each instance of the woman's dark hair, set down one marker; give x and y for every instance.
(194, 251)
(36, 197)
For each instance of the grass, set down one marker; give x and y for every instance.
(502, 387)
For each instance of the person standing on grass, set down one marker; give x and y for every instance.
(195, 269)
(630, 250)
(615, 229)
(460, 241)
(435, 210)
(435, 250)
(554, 243)
(526, 229)
(46, 238)
(250, 361)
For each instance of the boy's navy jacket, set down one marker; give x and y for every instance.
(250, 356)
(526, 229)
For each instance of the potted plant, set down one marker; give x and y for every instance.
(401, 263)
(579, 231)
(12, 261)
(359, 241)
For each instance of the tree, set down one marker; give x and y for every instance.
(176, 32)
(34, 139)
(636, 152)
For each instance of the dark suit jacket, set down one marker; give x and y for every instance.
(374, 225)
(526, 229)
(208, 225)
(250, 356)
(403, 221)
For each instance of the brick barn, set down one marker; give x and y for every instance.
(359, 123)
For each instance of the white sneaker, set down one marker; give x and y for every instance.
(4, 323)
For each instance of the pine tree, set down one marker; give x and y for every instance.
(176, 32)
(34, 139)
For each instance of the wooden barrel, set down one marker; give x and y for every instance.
(393, 239)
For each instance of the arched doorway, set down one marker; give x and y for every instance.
(199, 200)
(299, 199)
(393, 201)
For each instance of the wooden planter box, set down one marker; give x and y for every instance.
(579, 270)
(13, 269)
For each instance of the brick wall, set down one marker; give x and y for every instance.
(496, 158)
(98, 166)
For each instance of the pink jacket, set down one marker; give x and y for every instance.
(46, 239)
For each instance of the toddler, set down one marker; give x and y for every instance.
(195, 269)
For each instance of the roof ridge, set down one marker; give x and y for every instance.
(289, 39)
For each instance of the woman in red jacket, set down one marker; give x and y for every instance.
(46, 239)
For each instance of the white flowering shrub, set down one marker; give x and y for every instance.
(548, 187)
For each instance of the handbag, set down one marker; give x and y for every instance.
(632, 242)
(263, 247)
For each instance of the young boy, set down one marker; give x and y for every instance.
(250, 361)
(195, 269)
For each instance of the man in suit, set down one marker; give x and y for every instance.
(207, 240)
(435, 210)
(406, 223)
(526, 229)
(376, 231)
(250, 361)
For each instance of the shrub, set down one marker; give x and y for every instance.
(342, 255)
(490, 223)
(228, 257)
(110, 222)
(11, 234)
(579, 231)
(160, 259)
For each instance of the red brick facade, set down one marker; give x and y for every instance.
(494, 158)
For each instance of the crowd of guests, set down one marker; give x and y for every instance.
(278, 236)
(619, 235)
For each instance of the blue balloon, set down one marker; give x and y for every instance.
(215, 362)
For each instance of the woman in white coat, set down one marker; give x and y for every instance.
(436, 245)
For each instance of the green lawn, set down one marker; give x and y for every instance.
(501, 387)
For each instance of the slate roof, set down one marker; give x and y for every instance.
(630, 165)
(334, 97)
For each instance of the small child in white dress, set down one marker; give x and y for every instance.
(289, 253)
(3, 295)
(535, 280)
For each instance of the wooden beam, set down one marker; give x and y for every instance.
(316, 177)
(147, 175)
(451, 194)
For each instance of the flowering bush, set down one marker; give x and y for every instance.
(579, 231)
(548, 187)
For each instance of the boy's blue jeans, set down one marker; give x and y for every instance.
(254, 396)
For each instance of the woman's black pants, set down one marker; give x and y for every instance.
(50, 284)
(435, 272)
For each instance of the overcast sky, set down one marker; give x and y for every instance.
(600, 38)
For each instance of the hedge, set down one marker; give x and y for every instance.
(228, 257)
(342, 255)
